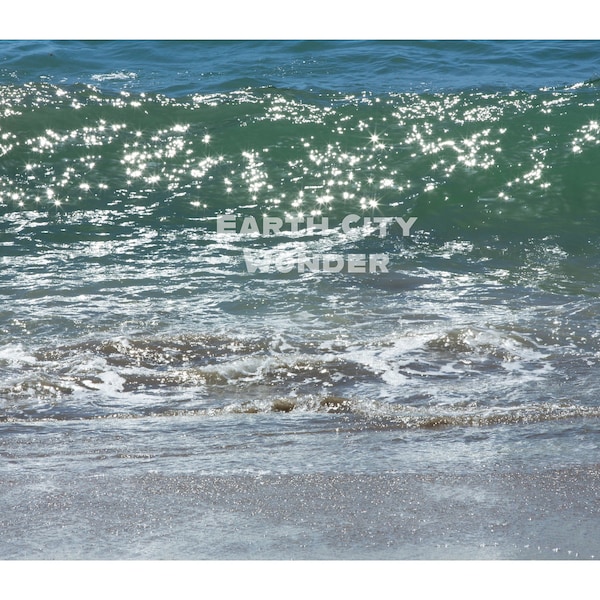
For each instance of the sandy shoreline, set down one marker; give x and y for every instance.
(543, 514)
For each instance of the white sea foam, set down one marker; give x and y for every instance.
(15, 355)
(114, 76)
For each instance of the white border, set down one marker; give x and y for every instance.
(308, 19)
(300, 579)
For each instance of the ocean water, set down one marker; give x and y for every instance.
(299, 299)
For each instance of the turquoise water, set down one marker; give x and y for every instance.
(136, 337)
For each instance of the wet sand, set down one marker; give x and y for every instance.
(542, 514)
